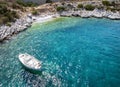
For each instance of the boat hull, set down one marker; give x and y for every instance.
(34, 71)
(30, 63)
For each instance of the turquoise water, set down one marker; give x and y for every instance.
(75, 53)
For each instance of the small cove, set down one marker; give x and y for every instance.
(75, 52)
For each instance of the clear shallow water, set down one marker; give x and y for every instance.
(75, 53)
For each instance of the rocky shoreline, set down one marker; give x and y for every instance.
(22, 24)
(6, 32)
(95, 13)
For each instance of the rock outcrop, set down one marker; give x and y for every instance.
(21, 24)
(95, 13)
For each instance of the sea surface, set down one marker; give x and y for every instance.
(75, 52)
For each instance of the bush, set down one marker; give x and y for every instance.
(26, 4)
(16, 6)
(100, 7)
(48, 1)
(7, 15)
(80, 6)
(20, 2)
(4, 20)
(35, 12)
(1, 22)
(31, 4)
(63, 3)
(3, 2)
(112, 9)
(3, 9)
(113, 3)
(106, 3)
(10, 17)
(17, 16)
(60, 8)
(8, 24)
(108, 8)
(14, 13)
(89, 7)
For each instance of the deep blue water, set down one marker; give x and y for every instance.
(75, 53)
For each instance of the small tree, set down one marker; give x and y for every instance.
(21, 2)
(4, 19)
(3, 9)
(80, 6)
(1, 22)
(113, 3)
(89, 7)
(35, 12)
(48, 1)
(106, 3)
(8, 24)
(100, 7)
(60, 8)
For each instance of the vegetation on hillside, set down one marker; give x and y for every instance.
(80, 6)
(106, 3)
(48, 1)
(26, 4)
(89, 7)
(111, 5)
(60, 8)
(6, 14)
(34, 12)
(9, 10)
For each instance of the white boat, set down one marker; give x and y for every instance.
(29, 61)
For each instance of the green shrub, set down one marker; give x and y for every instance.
(112, 9)
(63, 3)
(31, 4)
(113, 3)
(1, 22)
(14, 13)
(17, 16)
(35, 12)
(26, 4)
(100, 7)
(48, 1)
(7, 15)
(11, 15)
(16, 6)
(106, 3)
(3, 2)
(21, 2)
(4, 19)
(108, 8)
(80, 6)
(60, 8)
(3, 9)
(8, 24)
(89, 7)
